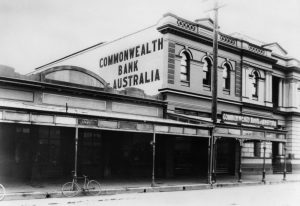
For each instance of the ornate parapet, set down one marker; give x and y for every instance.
(204, 28)
(256, 49)
(227, 39)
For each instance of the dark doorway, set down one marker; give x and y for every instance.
(181, 156)
(67, 150)
(225, 156)
(24, 151)
(127, 154)
(90, 149)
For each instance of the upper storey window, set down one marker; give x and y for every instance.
(226, 77)
(185, 69)
(207, 72)
(255, 79)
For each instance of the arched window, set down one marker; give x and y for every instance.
(185, 69)
(207, 72)
(255, 84)
(226, 76)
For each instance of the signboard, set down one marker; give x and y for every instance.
(134, 60)
(88, 122)
(252, 120)
(127, 65)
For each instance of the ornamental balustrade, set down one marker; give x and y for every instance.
(256, 49)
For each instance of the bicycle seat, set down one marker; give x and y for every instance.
(84, 176)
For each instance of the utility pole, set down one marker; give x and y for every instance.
(214, 89)
(215, 65)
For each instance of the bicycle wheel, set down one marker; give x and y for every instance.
(2, 192)
(94, 187)
(70, 189)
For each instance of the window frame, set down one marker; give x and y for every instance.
(256, 149)
(185, 63)
(255, 84)
(226, 81)
(207, 81)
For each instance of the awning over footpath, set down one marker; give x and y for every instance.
(27, 113)
(240, 131)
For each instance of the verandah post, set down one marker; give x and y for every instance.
(264, 164)
(76, 150)
(284, 163)
(240, 161)
(153, 158)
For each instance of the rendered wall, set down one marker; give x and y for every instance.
(135, 60)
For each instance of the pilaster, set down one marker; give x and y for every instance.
(268, 89)
(245, 87)
(293, 93)
(280, 93)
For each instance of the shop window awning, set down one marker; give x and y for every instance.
(106, 121)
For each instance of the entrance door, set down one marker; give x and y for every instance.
(47, 161)
(277, 157)
(225, 156)
(190, 156)
(23, 153)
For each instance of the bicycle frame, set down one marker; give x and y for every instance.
(85, 182)
(71, 189)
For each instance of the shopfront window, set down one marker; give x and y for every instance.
(256, 149)
(48, 146)
(89, 147)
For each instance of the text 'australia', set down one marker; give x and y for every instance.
(137, 79)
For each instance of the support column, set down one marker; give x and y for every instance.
(268, 89)
(284, 163)
(153, 159)
(210, 156)
(214, 160)
(280, 149)
(245, 82)
(261, 90)
(264, 164)
(76, 151)
(280, 93)
(240, 161)
(293, 96)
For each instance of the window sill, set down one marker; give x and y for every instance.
(185, 83)
(226, 91)
(254, 97)
(206, 87)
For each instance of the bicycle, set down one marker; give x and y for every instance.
(2, 192)
(71, 189)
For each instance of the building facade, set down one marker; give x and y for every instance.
(67, 118)
(258, 100)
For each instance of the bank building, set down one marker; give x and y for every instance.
(140, 106)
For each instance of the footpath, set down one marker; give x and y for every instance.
(52, 189)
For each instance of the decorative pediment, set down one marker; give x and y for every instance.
(208, 22)
(276, 48)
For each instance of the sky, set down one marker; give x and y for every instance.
(36, 32)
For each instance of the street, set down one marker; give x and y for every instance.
(261, 195)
